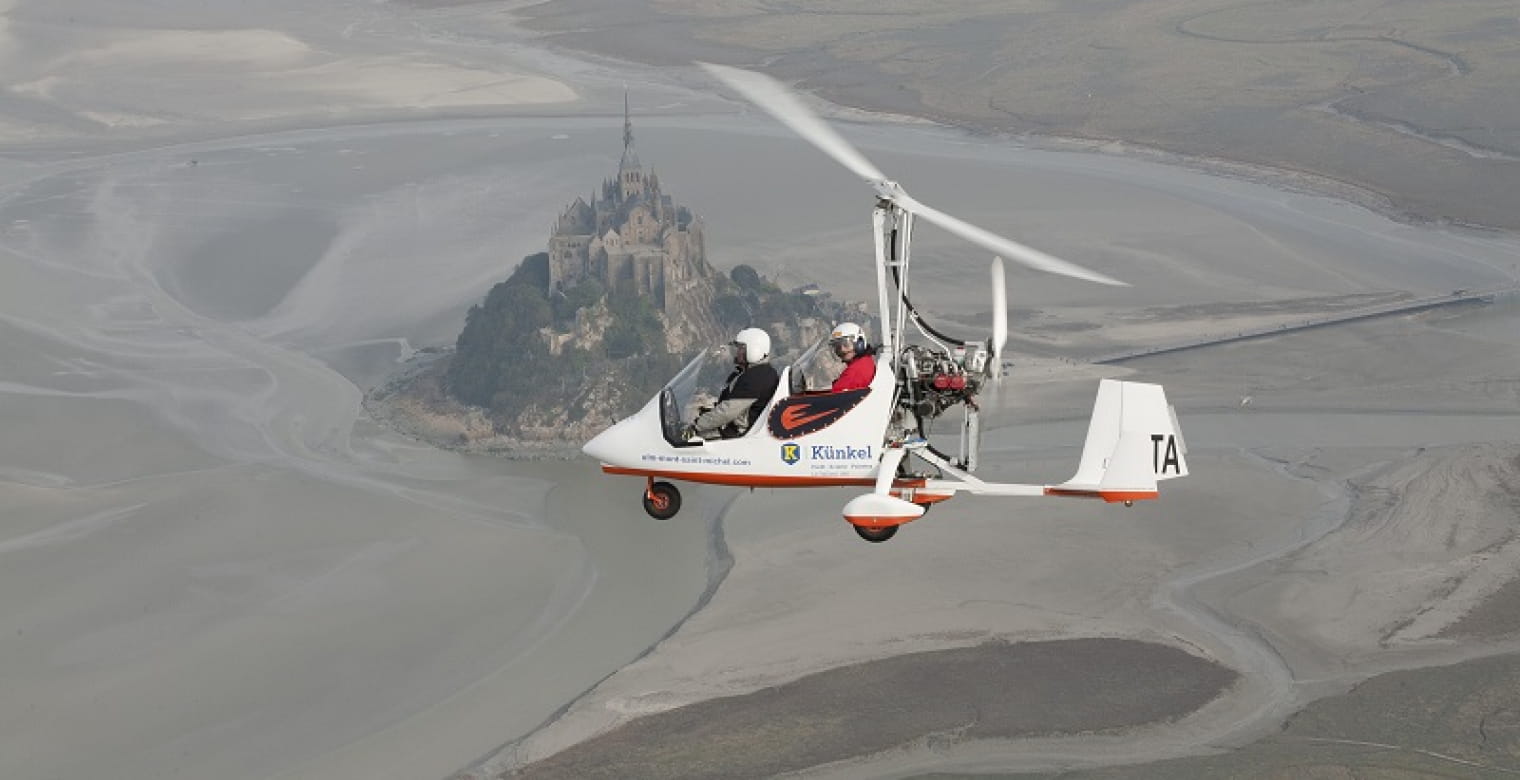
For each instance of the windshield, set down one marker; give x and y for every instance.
(815, 368)
(695, 386)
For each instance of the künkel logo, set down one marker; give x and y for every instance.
(791, 453)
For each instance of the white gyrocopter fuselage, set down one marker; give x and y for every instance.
(875, 438)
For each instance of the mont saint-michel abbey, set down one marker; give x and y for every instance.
(633, 238)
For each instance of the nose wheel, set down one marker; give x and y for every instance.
(875, 535)
(661, 500)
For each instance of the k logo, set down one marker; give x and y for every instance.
(790, 453)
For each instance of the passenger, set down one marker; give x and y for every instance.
(849, 344)
(745, 393)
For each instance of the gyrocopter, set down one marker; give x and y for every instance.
(862, 437)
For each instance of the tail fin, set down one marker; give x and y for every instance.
(1133, 442)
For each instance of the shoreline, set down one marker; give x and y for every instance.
(410, 404)
(933, 90)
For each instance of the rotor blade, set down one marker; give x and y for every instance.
(999, 317)
(779, 102)
(1029, 256)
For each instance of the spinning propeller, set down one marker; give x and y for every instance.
(779, 102)
(999, 319)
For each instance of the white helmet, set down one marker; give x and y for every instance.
(756, 344)
(849, 333)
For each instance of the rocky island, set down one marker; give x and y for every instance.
(587, 331)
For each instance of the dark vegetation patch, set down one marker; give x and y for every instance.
(1459, 721)
(994, 690)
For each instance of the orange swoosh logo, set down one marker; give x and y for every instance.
(797, 416)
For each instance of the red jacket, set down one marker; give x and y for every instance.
(857, 373)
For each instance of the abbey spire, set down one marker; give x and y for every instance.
(630, 157)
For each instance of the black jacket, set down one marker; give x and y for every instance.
(757, 381)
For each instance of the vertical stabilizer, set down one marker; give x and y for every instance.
(1133, 442)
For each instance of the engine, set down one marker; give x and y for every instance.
(937, 380)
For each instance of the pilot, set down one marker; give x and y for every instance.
(849, 344)
(745, 393)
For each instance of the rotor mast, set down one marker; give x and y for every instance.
(879, 218)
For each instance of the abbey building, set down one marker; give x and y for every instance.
(631, 237)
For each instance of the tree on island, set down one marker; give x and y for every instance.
(503, 363)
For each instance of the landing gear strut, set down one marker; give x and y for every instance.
(661, 500)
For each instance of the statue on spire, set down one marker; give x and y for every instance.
(627, 123)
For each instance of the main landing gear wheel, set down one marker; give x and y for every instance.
(875, 535)
(662, 501)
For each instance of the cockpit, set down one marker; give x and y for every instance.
(696, 386)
